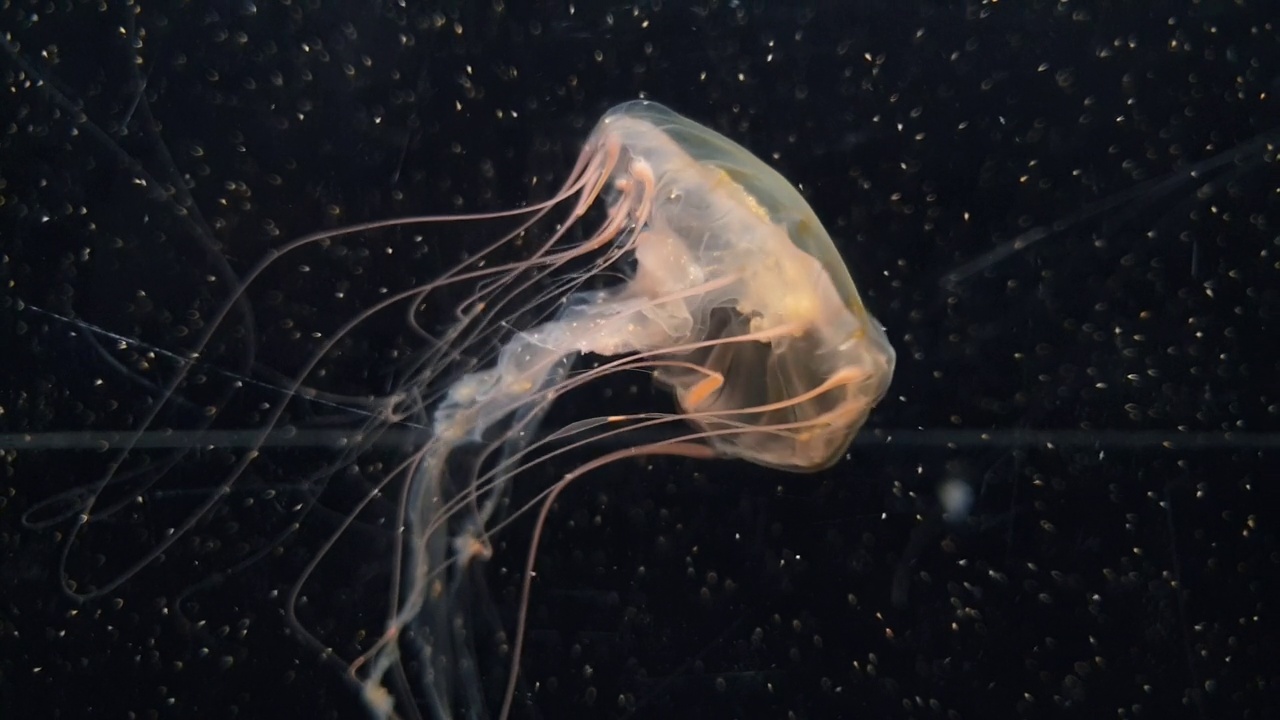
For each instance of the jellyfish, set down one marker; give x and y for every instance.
(736, 301)
(670, 250)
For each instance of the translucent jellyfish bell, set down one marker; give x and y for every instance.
(788, 362)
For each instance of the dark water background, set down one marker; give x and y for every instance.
(1108, 393)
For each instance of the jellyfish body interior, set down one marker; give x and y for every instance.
(736, 300)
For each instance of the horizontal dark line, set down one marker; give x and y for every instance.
(399, 437)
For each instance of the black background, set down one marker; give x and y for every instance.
(1108, 393)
